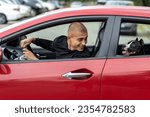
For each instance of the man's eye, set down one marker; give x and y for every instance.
(80, 39)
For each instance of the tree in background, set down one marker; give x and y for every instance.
(146, 2)
(142, 2)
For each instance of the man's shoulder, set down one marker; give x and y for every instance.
(60, 42)
(60, 39)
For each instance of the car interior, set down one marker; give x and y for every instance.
(146, 49)
(12, 50)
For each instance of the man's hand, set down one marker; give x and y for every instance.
(25, 42)
(29, 55)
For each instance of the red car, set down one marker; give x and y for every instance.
(107, 74)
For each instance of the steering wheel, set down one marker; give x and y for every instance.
(13, 51)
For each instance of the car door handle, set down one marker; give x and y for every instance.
(78, 76)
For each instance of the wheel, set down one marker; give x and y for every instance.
(3, 18)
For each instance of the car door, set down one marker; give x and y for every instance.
(128, 77)
(57, 78)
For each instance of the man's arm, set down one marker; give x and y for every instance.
(46, 44)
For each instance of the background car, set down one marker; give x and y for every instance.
(36, 7)
(120, 3)
(3, 18)
(56, 3)
(76, 4)
(101, 1)
(10, 12)
(105, 75)
(47, 5)
(24, 9)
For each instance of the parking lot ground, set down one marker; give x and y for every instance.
(9, 23)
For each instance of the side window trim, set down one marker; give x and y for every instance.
(90, 18)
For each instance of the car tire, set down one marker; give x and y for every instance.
(3, 18)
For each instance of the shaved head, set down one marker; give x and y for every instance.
(77, 36)
(76, 28)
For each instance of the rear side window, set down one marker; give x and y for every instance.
(132, 31)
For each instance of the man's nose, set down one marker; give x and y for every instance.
(83, 43)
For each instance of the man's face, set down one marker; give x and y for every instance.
(78, 41)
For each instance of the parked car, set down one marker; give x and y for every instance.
(120, 3)
(36, 7)
(126, 28)
(101, 1)
(9, 12)
(47, 5)
(3, 18)
(24, 9)
(56, 3)
(76, 4)
(107, 74)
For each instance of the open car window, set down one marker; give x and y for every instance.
(131, 31)
(52, 32)
(12, 48)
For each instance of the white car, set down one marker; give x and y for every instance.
(119, 3)
(12, 12)
(48, 5)
(3, 19)
(24, 9)
(76, 4)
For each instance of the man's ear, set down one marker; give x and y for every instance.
(68, 37)
(141, 42)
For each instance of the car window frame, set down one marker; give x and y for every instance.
(116, 31)
(103, 51)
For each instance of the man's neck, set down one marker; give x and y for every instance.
(69, 46)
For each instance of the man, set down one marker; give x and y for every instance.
(71, 46)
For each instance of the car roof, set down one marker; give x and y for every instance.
(84, 11)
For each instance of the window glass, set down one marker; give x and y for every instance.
(131, 31)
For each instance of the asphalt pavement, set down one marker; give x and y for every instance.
(9, 23)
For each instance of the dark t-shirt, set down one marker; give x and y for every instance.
(60, 47)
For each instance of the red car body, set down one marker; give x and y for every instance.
(111, 77)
